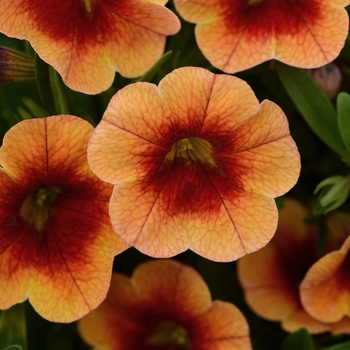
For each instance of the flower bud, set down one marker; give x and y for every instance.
(15, 66)
(328, 78)
(334, 191)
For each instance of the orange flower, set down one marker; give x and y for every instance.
(271, 277)
(87, 41)
(56, 241)
(237, 35)
(325, 290)
(196, 163)
(164, 305)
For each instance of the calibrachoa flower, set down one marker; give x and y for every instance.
(56, 241)
(237, 35)
(164, 305)
(325, 290)
(196, 163)
(271, 277)
(87, 41)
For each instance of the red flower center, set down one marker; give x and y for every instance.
(267, 17)
(171, 334)
(36, 207)
(253, 2)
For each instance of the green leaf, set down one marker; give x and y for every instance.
(300, 340)
(13, 327)
(43, 83)
(14, 347)
(313, 105)
(279, 203)
(24, 114)
(149, 75)
(60, 102)
(343, 108)
(342, 346)
(36, 110)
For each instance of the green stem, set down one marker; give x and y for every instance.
(61, 106)
(13, 327)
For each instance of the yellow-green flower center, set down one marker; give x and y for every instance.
(36, 207)
(88, 5)
(193, 150)
(171, 334)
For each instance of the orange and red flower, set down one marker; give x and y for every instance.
(271, 277)
(56, 241)
(87, 41)
(237, 35)
(196, 163)
(325, 290)
(164, 305)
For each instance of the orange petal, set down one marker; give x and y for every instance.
(270, 277)
(108, 325)
(87, 44)
(268, 289)
(222, 327)
(325, 290)
(132, 118)
(299, 318)
(14, 278)
(266, 157)
(239, 225)
(65, 270)
(169, 284)
(235, 37)
(183, 204)
(231, 49)
(341, 327)
(198, 101)
(318, 41)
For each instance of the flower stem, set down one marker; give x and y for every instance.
(61, 106)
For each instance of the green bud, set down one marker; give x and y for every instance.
(333, 192)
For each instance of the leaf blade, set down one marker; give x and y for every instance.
(343, 108)
(313, 105)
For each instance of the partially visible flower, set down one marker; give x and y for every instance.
(196, 163)
(325, 290)
(328, 78)
(15, 66)
(271, 277)
(56, 241)
(87, 41)
(164, 305)
(237, 35)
